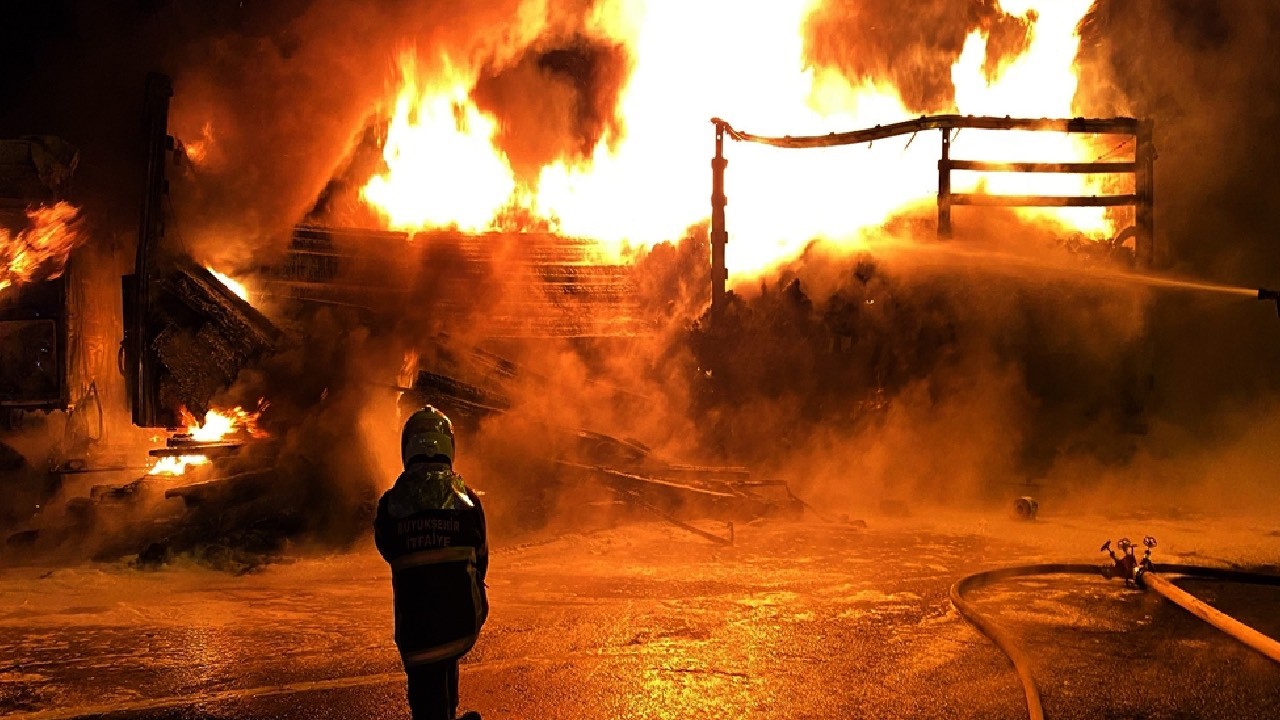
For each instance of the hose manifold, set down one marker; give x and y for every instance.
(1126, 564)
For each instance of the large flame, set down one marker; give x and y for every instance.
(693, 61)
(1041, 82)
(217, 424)
(41, 251)
(176, 465)
(442, 166)
(241, 291)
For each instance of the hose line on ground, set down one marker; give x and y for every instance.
(1004, 640)
(1224, 622)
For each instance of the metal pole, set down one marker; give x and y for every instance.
(944, 187)
(719, 236)
(1144, 210)
(159, 89)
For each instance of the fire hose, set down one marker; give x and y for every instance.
(1144, 576)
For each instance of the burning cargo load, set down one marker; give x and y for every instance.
(523, 284)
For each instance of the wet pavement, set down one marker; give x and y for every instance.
(795, 620)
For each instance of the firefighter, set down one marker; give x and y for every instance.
(430, 529)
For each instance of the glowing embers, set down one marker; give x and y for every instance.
(41, 251)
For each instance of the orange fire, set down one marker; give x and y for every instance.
(232, 284)
(693, 61)
(39, 252)
(1039, 83)
(197, 150)
(435, 131)
(216, 426)
(177, 465)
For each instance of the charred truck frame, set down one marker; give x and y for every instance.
(1146, 251)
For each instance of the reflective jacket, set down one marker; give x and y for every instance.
(430, 529)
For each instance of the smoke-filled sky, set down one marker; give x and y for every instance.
(282, 93)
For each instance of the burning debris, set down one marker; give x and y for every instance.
(219, 433)
(38, 232)
(41, 250)
(232, 284)
(198, 336)
(576, 458)
(446, 162)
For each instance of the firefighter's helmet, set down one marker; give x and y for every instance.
(427, 433)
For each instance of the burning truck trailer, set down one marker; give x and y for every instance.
(35, 233)
(549, 286)
(188, 333)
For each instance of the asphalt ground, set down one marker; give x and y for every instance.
(794, 620)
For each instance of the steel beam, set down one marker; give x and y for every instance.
(1081, 168)
(981, 200)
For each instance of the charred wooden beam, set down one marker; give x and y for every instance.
(226, 491)
(218, 449)
(633, 480)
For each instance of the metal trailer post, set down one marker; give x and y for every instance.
(159, 90)
(944, 186)
(719, 236)
(1147, 254)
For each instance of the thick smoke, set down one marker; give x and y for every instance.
(911, 49)
(1199, 71)
(571, 86)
